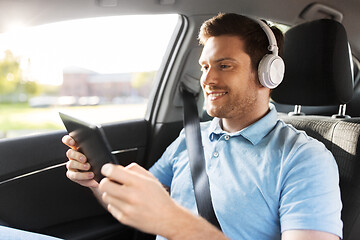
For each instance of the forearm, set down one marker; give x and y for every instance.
(187, 226)
(136, 198)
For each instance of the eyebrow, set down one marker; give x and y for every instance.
(220, 60)
(226, 59)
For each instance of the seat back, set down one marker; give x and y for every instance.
(342, 138)
(318, 73)
(317, 65)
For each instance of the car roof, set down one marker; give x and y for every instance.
(290, 12)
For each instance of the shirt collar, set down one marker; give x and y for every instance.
(254, 133)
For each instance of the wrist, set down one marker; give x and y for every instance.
(183, 225)
(177, 217)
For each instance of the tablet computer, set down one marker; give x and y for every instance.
(91, 141)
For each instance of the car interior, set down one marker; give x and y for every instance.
(320, 94)
(339, 132)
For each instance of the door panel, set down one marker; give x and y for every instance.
(162, 135)
(20, 156)
(128, 140)
(37, 196)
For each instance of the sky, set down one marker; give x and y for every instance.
(104, 45)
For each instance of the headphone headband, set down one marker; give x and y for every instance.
(270, 35)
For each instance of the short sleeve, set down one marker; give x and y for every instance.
(310, 197)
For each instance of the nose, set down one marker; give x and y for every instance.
(208, 77)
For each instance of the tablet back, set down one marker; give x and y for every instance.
(91, 141)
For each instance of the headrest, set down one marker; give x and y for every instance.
(317, 65)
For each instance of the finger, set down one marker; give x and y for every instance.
(139, 169)
(79, 176)
(69, 141)
(113, 207)
(119, 209)
(88, 183)
(114, 189)
(119, 174)
(75, 155)
(75, 165)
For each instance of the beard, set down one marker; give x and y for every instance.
(236, 105)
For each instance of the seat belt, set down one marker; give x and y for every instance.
(196, 158)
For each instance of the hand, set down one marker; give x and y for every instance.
(78, 169)
(136, 198)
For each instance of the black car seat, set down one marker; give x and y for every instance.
(318, 73)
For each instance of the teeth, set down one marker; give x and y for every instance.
(213, 95)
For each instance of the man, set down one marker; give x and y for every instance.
(268, 180)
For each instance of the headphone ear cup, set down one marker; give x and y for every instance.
(271, 70)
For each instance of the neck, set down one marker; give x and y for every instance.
(237, 123)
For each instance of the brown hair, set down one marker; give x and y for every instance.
(255, 39)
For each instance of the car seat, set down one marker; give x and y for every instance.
(319, 73)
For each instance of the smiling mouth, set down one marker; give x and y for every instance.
(215, 96)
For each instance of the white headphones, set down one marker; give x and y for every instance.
(271, 67)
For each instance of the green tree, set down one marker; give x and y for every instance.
(31, 88)
(141, 79)
(10, 73)
(13, 87)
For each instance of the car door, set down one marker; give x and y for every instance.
(37, 196)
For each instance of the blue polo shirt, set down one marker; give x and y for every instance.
(264, 179)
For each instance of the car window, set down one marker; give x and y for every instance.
(98, 69)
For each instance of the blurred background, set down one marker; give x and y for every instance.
(100, 70)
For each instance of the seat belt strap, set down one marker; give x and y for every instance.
(196, 159)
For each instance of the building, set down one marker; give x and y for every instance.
(79, 82)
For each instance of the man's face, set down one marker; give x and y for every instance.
(228, 81)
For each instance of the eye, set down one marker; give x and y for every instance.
(224, 66)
